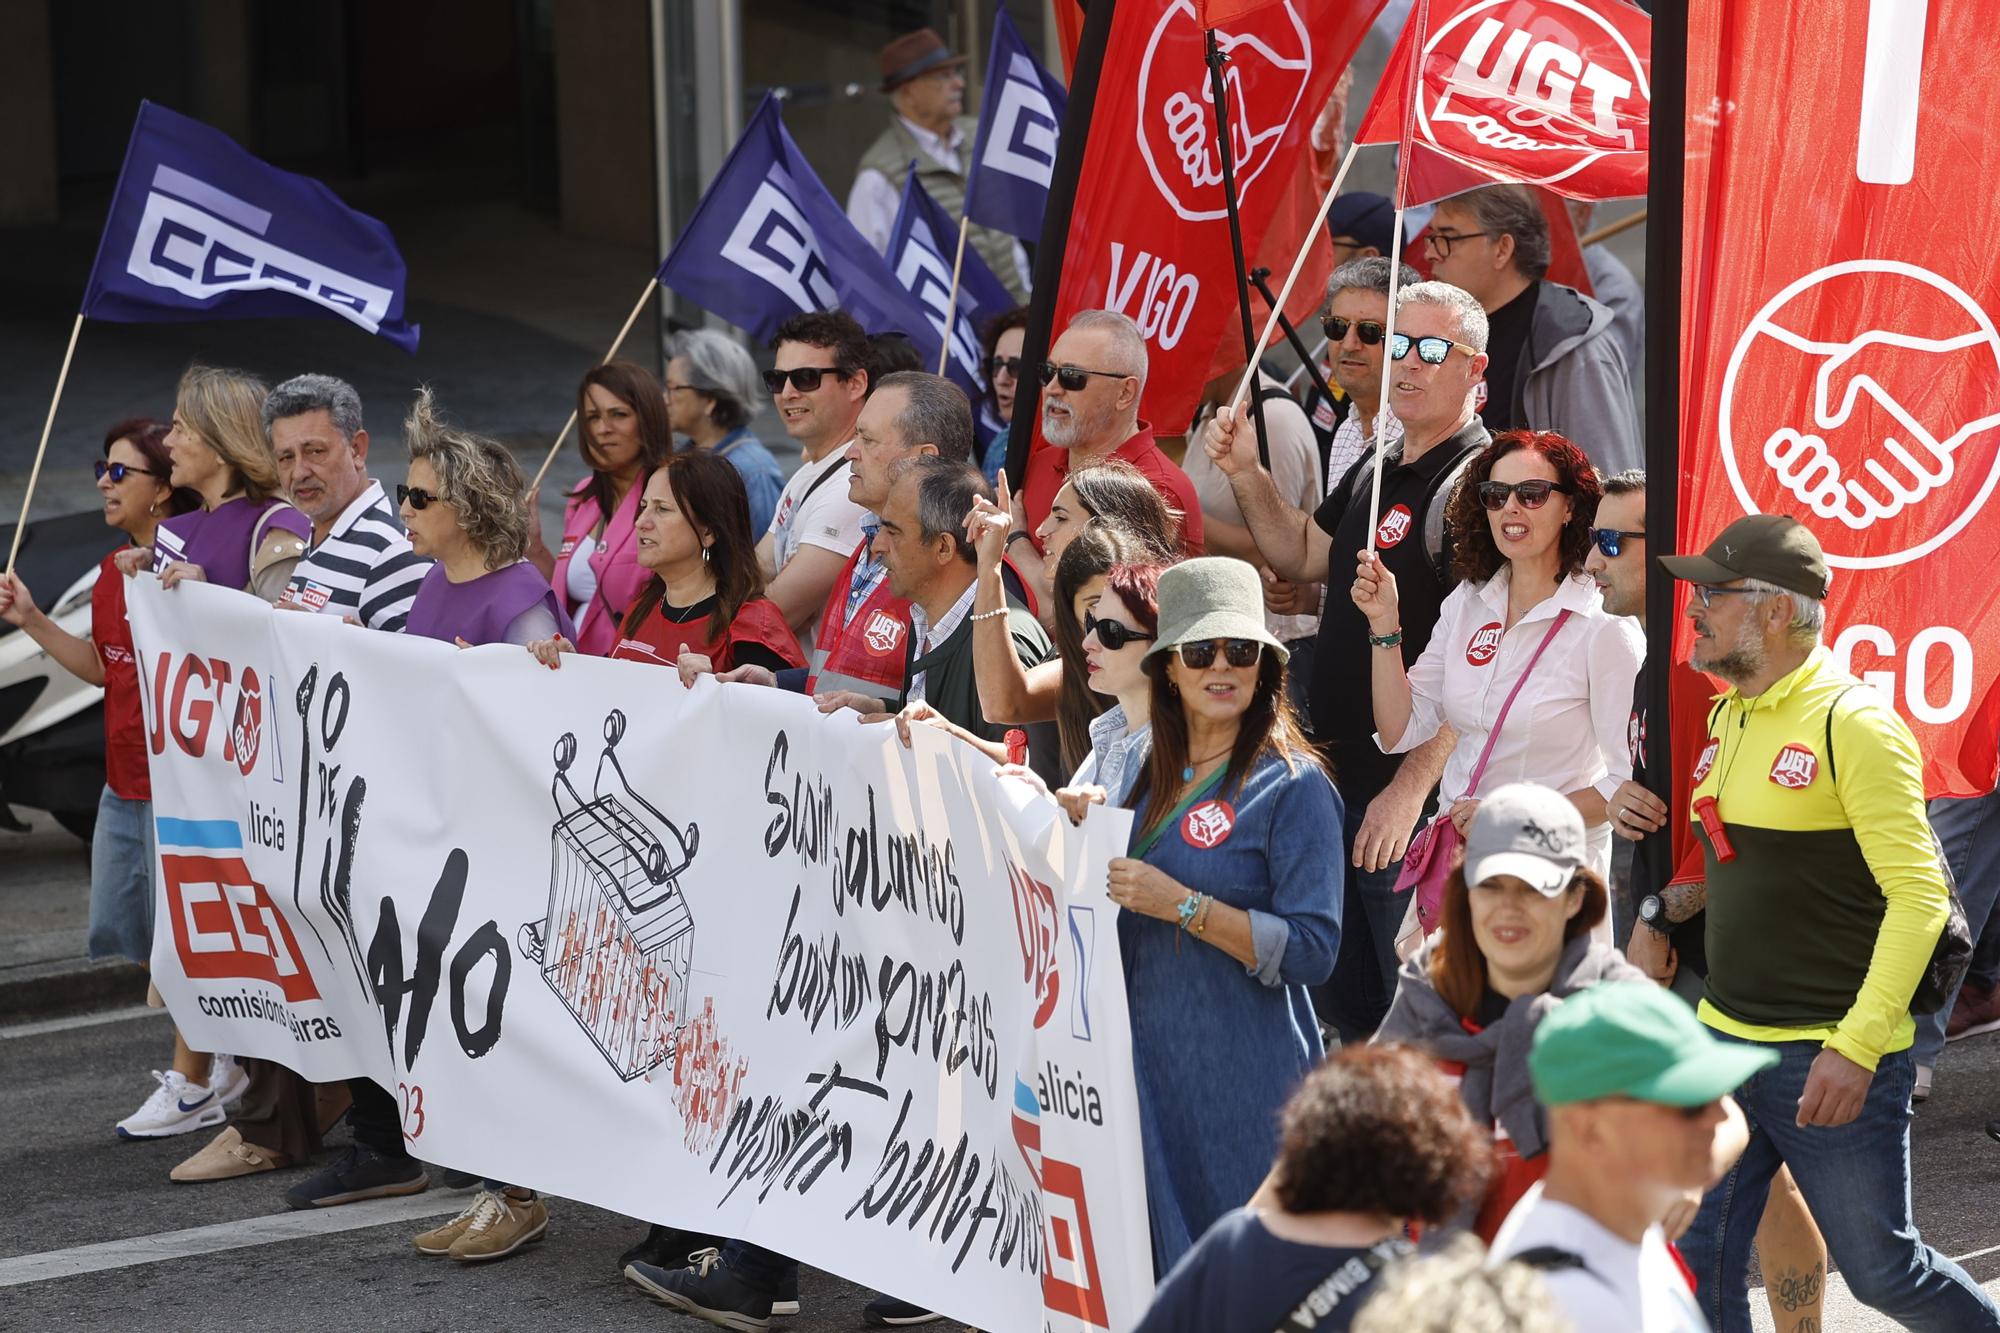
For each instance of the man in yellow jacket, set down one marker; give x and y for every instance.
(1825, 900)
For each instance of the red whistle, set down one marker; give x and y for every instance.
(1017, 746)
(1711, 823)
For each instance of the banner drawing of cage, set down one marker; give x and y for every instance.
(617, 944)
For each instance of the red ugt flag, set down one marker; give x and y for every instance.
(1555, 93)
(1840, 361)
(1149, 235)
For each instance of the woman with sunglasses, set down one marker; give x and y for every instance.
(1232, 901)
(1515, 939)
(462, 506)
(622, 433)
(1113, 496)
(1005, 334)
(1525, 624)
(133, 482)
(704, 609)
(246, 535)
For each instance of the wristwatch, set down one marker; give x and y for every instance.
(1654, 913)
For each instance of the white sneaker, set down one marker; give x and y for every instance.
(227, 1077)
(176, 1107)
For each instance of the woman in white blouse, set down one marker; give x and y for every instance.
(1520, 526)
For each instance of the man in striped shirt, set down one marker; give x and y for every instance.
(359, 563)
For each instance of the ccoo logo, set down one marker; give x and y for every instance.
(1270, 64)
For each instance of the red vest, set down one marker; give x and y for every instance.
(659, 640)
(864, 652)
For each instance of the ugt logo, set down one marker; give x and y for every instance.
(190, 692)
(1795, 767)
(1039, 933)
(1394, 527)
(884, 632)
(1485, 642)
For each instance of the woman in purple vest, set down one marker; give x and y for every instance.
(245, 535)
(463, 508)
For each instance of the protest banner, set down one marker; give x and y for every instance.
(1150, 237)
(1552, 93)
(700, 956)
(1839, 360)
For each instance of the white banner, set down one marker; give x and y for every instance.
(701, 956)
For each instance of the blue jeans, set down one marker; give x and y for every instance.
(121, 880)
(1856, 1180)
(1969, 829)
(1356, 998)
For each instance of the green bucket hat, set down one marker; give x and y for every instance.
(1212, 597)
(1635, 1039)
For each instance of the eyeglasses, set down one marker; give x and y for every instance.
(1111, 633)
(1431, 351)
(1610, 540)
(1200, 656)
(1073, 377)
(805, 379)
(414, 498)
(1011, 364)
(1532, 494)
(1370, 331)
(1442, 241)
(119, 471)
(1708, 592)
(689, 388)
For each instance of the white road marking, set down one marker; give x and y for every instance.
(48, 1025)
(224, 1236)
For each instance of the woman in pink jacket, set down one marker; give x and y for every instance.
(622, 432)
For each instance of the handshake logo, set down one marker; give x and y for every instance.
(1868, 393)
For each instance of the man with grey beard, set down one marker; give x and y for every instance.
(1091, 387)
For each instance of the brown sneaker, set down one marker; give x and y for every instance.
(1977, 1011)
(500, 1224)
(226, 1157)
(438, 1240)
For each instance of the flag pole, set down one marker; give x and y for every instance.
(951, 306)
(616, 343)
(1307, 367)
(1422, 20)
(34, 474)
(1610, 229)
(1298, 266)
(1252, 349)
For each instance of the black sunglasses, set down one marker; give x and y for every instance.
(1532, 494)
(1431, 351)
(1111, 633)
(1237, 652)
(1610, 540)
(1011, 364)
(416, 499)
(1370, 331)
(1073, 377)
(119, 471)
(804, 378)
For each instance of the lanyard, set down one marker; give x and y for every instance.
(1188, 802)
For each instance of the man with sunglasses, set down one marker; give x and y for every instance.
(818, 382)
(1355, 325)
(1441, 331)
(1092, 385)
(1826, 898)
(1555, 361)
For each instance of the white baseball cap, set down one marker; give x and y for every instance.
(1528, 831)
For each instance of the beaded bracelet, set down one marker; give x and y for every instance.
(994, 614)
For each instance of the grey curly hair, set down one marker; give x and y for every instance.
(477, 476)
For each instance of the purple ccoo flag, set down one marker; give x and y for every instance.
(1014, 155)
(922, 244)
(767, 241)
(200, 229)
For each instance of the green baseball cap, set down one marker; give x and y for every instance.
(1634, 1039)
(1775, 548)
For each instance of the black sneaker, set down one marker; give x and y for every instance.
(786, 1302)
(667, 1247)
(707, 1291)
(358, 1173)
(888, 1312)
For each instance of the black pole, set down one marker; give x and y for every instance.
(1049, 250)
(1259, 276)
(1216, 60)
(1666, 175)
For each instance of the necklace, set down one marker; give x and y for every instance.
(1187, 774)
(681, 615)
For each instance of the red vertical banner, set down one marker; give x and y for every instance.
(1149, 234)
(1840, 361)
